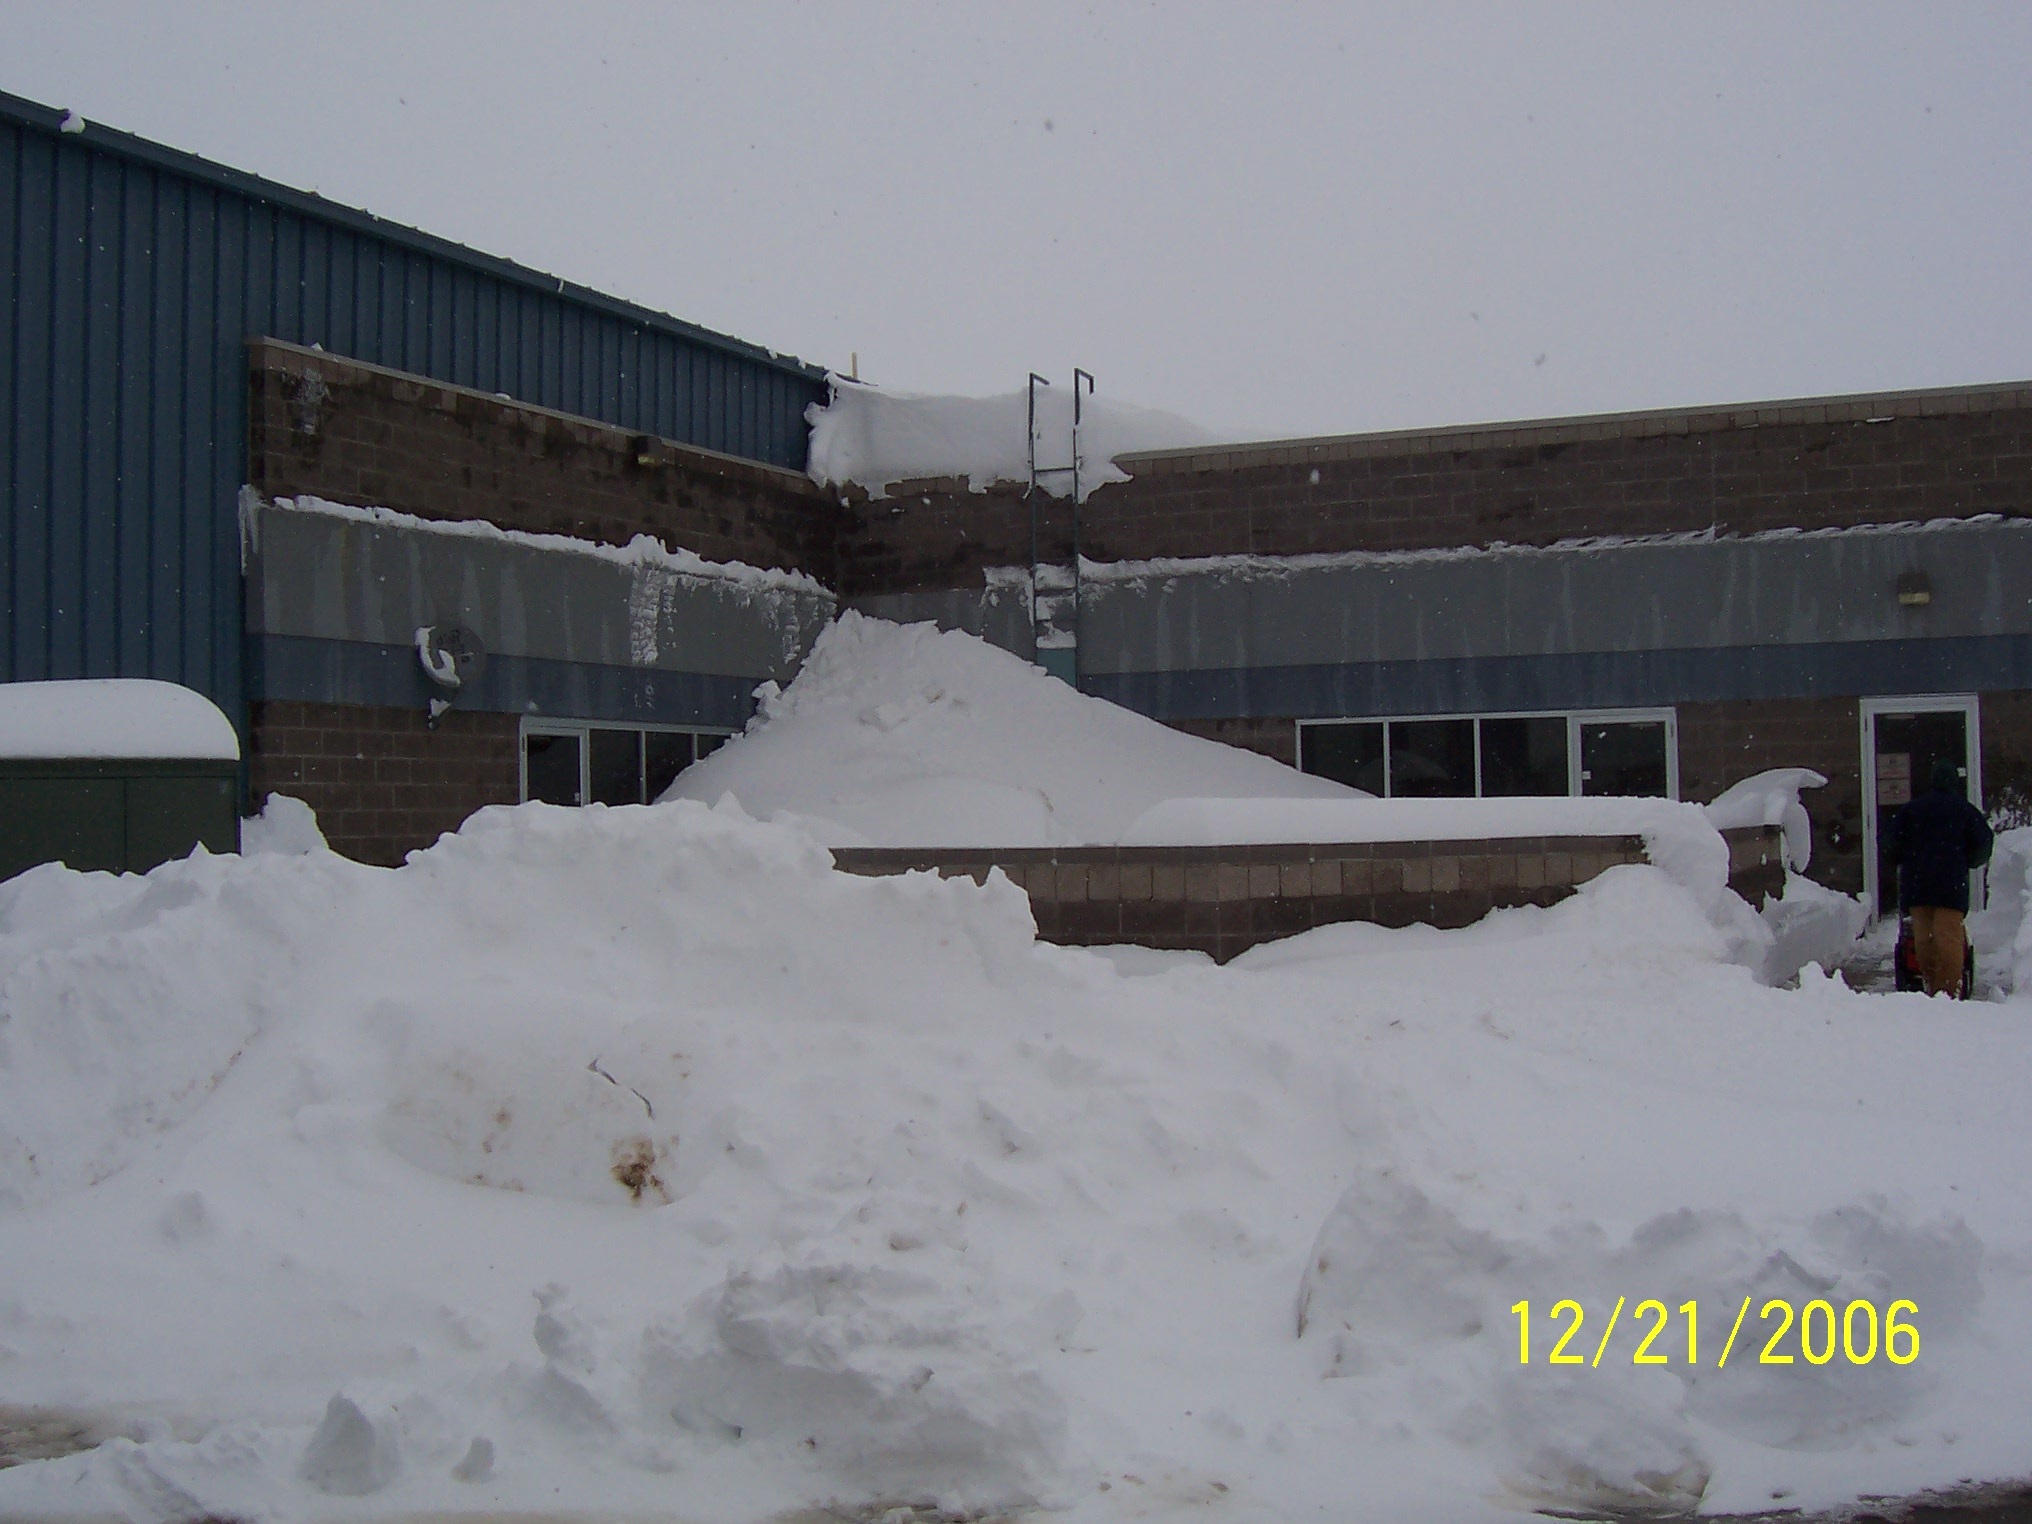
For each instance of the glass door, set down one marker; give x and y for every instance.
(1628, 755)
(553, 767)
(1902, 740)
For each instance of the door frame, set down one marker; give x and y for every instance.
(1867, 710)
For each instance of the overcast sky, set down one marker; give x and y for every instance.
(1272, 219)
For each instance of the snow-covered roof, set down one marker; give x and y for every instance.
(113, 717)
(1245, 564)
(873, 438)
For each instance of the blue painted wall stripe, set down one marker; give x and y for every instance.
(1587, 680)
(309, 670)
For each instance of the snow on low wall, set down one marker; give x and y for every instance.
(1225, 898)
(1677, 837)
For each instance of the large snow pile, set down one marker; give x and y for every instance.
(905, 735)
(874, 438)
(634, 1162)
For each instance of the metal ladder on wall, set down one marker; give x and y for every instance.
(1055, 587)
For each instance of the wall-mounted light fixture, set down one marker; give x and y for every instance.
(1915, 589)
(650, 453)
(451, 656)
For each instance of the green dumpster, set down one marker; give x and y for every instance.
(118, 773)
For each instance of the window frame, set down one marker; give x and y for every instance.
(546, 725)
(1574, 718)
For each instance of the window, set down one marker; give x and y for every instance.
(1523, 754)
(1491, 756)
(1623, 757)
(1349, 753)
(566, 762)
(1432, 759)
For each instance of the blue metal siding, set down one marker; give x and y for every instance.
(132, 278)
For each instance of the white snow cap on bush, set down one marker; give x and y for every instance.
(1767, 799)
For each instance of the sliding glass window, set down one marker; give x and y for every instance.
(568, 762)
(1623, 751)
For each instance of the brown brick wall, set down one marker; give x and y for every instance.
(940, 534)
(1724, 743)
(381, 781)
(359, 434)
(1430, 492)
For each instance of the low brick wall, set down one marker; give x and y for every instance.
(1756, 862)
(1224, 900)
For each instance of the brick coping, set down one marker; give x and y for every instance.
(1862, 407)
(669, 450)
(1258, 852)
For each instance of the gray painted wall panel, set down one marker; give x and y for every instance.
(1791, 590)
(999, 614)
(1576, 680)
(326, 577)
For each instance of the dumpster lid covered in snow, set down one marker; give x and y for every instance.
(113, 717)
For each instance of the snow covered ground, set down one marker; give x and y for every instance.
(632, 1163)
(633, 1160)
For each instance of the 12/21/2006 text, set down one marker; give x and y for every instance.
(1856, 1332)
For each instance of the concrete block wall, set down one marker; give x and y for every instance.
(1733, 470)
(357, 433)
(382, 781)
(1722, 744)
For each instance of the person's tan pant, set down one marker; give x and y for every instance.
(1940, 945)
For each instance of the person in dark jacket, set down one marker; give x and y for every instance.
(1937, 841)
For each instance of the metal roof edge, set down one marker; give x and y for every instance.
(1857, 407)
(127, 145)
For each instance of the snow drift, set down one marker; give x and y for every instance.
(623, 1160)
(905, 735)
